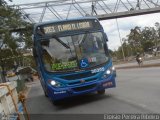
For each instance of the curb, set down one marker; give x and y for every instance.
(143, 66)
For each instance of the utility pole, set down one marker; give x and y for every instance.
(120, 40)
(93, 8)
(138, 5)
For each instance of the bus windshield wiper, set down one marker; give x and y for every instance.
(60, 41)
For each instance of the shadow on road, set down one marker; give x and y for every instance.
(81, 100)
(41, 104)
(37, 103)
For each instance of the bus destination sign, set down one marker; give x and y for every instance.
(67, 27)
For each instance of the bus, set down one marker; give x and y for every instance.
(72, 58)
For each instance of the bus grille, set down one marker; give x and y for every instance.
(84, 87)
(79, 82)
(78, 76)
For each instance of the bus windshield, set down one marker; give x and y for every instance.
(75, 52)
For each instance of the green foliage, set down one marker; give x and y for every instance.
(8, 58)
(147, 46)
(11, 21)
(139, 40)
(13, 32)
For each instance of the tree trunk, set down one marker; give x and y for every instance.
(3, 74)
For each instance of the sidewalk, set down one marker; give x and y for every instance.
(148, 63)
(29, 85)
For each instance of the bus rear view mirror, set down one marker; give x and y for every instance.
(105, 37)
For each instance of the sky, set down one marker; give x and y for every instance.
(125, 25)
(110, 26)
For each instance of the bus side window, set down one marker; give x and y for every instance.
(106, 49)
(105, 37)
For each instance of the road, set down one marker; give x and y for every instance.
(137, 91)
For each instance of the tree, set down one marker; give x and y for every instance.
(140, 40)
(10, 39)
(157, 25)
(134, 38)
(149, 37)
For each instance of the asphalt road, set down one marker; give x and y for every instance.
(137, 91)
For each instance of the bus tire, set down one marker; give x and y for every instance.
(45, 93)
(101, 92)
(56, 102)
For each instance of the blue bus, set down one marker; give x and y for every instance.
(72, 58)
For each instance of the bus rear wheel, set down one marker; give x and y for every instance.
(101, 92)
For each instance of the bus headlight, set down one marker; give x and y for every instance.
(108, 72)
(54, 83)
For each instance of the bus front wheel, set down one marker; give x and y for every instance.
(101, 92)
(45, 93)
(56, 103)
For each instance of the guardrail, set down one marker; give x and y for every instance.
(11, 108)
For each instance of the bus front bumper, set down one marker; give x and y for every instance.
(84, 88)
